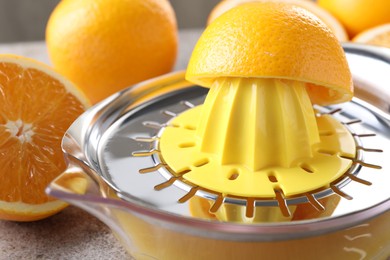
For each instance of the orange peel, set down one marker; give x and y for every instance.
(299, 47)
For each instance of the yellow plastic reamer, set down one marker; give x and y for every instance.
(254, 136)
(257, 133)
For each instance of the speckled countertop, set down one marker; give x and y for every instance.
(73, 233)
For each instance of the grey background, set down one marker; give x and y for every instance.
(25, 20)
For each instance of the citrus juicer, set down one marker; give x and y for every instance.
(104, 179)
(249, 169)
(257, 136)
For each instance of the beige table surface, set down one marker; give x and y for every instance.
(73, 233)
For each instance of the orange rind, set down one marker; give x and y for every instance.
(298, 47)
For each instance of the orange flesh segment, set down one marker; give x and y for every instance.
(35, 111)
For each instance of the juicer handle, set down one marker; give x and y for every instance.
(76, 187)
(80, 184)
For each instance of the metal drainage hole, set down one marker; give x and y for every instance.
(184, 171)
(306, 168)
(326, 133)
(187, 145)
(234, 175)
(202, 162)
(190, 127)
(326, 152)
(272, 178)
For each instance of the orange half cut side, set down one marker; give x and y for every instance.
(37, 106)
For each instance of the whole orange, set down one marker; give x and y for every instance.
(358, 15)
(104, 46)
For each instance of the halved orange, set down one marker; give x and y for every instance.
(37, 105)
(378, 35)
(298, 47)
